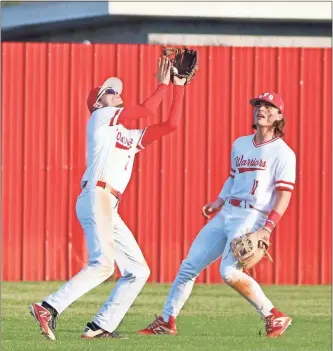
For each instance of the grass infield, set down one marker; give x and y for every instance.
(215, 318)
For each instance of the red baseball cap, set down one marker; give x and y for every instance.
(95, 93)
(273, 98)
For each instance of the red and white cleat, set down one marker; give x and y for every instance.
(159, 326)
(45, 320)
(277, 323)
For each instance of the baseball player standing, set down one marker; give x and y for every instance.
(253, 199)
(111, 152)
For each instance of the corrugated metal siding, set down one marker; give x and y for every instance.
(44, 89)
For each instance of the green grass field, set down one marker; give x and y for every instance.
(215, 318)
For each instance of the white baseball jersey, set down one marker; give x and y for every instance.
(258, 170)
(111, 149)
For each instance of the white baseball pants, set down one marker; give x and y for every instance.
(211, 243)
(108, 239)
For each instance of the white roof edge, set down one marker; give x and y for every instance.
(270, 10)
(48, 12)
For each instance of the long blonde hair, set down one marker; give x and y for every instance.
(278, 127)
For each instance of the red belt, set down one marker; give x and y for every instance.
(103, 185)
(238, 203)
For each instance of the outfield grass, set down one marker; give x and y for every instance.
(215, 318)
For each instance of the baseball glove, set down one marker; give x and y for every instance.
(184, 62)
(247, 251)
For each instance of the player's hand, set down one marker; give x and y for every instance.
(207, 210)
(163, 71)
(264, 234)
(212, 207)
(179, 81)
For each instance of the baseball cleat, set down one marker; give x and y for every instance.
(159, 326)
(45, 319)
(93, 331)
(277, 323)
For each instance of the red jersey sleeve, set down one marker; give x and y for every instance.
(157, 131)
(147, 108)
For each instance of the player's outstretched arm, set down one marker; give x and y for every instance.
(157, 131)
(163, 77)
(149, 106)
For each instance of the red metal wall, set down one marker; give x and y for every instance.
(44, 88)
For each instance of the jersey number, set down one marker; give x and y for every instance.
(129, 157)
(254, 187)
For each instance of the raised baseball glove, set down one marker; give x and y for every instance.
(246, 248)
(184, 62)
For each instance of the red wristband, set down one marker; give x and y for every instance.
(272, 220)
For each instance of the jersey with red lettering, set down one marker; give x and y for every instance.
(258, 170)
(111, 149)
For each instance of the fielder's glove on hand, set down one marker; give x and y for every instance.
(247, 249)
(184, 61)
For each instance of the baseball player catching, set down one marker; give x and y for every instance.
(249, 206)
(111, 152)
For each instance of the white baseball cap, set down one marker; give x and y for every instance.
(95, 93)
(113, 83)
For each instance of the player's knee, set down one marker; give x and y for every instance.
(229, 274)
(143, 274)
(104, 265)
(140, 274)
